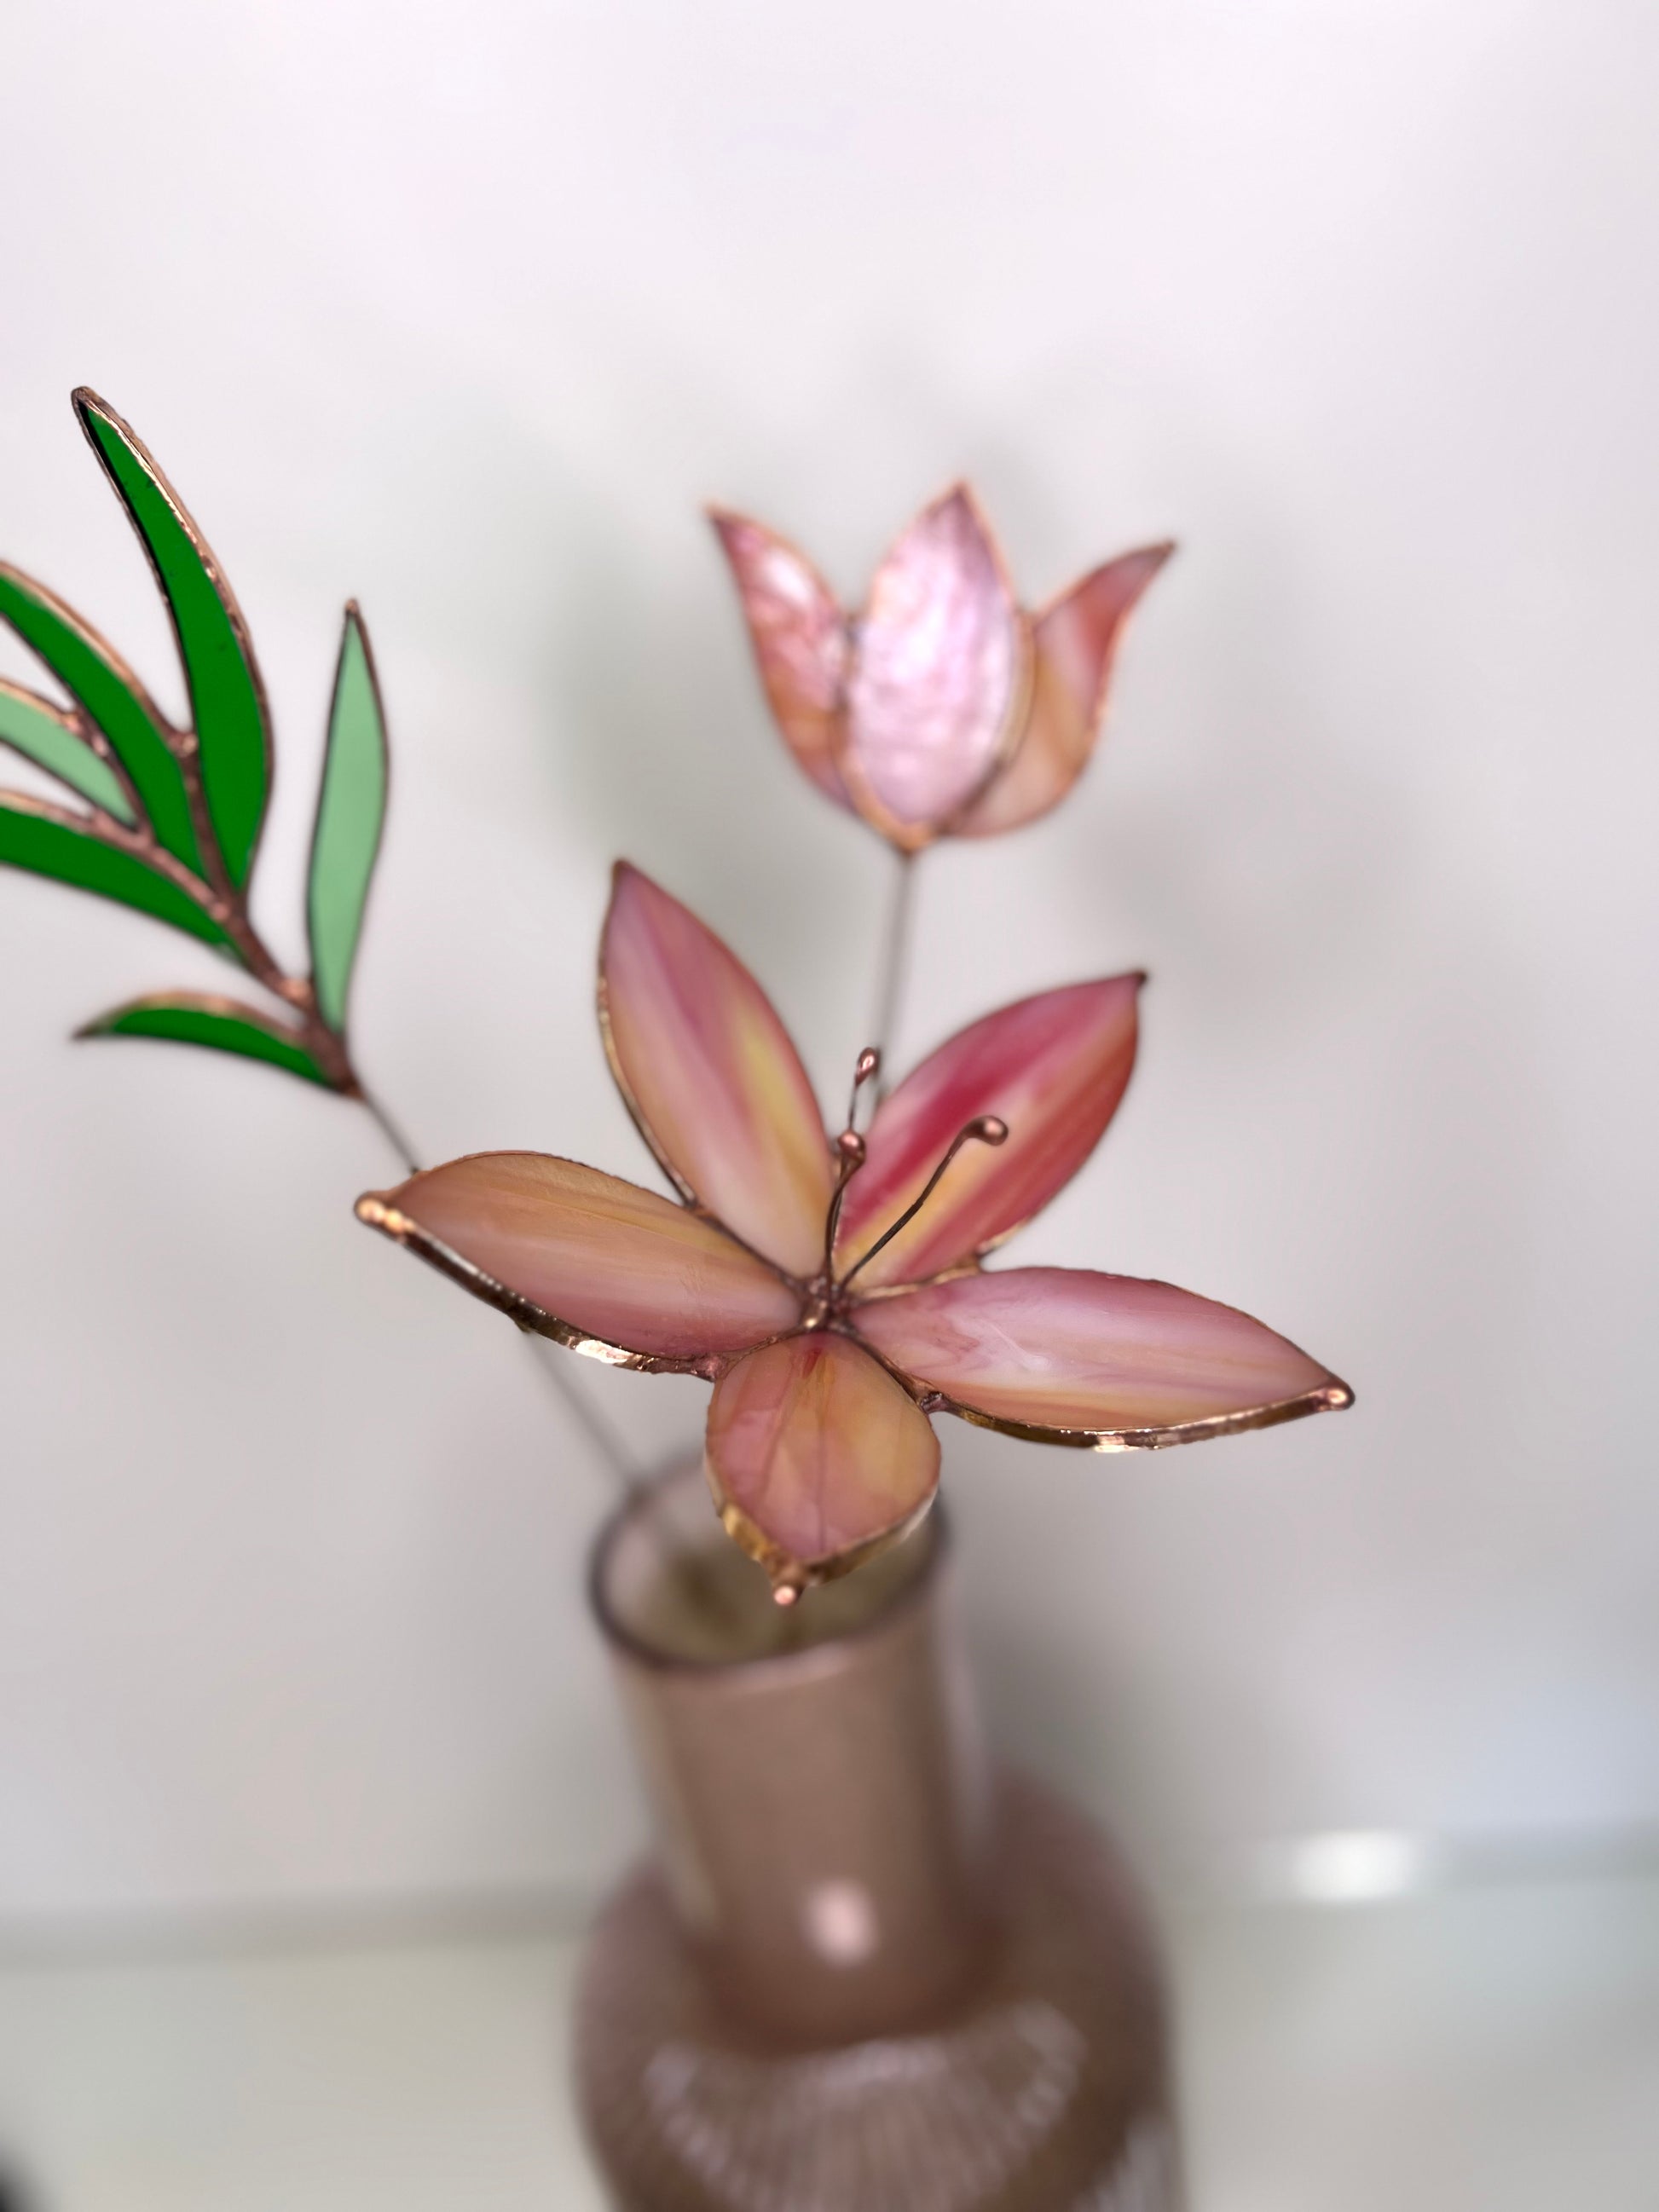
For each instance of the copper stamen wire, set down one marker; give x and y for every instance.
(868, 1065)
(985, 1129)
(850, 1154)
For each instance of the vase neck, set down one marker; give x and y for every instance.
(821, 1814)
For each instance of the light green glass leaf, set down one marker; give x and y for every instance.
(112, 700)
(222, 1025)
(226, 697)
(55, 741)
(49, 843)
(350, 813)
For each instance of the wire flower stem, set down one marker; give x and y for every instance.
(893, 963)
(608, 1446)
(619, 1463)
(389, 1128)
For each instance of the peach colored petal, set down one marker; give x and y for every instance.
(1054, 1067)
(710, 1075)
(799, 638)
(585, 1257)
(817, 1457)
(1075, 643)
(937, 668)
(1097, 1358)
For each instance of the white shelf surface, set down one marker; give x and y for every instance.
(1459, 2051)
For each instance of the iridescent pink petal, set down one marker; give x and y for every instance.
(585, 1257)
(938, 666)
(799, 636)
(1054, 1067)
(1074, 642)
(818, 1457)
(1100, 1358)
(710, 1075)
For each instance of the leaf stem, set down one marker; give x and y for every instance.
(391, 1129)
(228, 907)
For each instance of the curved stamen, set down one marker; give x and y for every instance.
(850, 1157)
(986, 1129)
(849, 1153)
(869, 1066)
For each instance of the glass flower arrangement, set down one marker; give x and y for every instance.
(832, 1287)
(944, 709)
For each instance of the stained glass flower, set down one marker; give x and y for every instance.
(943, 709)
(832, 1290)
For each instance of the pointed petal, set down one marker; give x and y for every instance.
(938, 669)
(595, 1262)
(710, 1077)
(1073, 1357)
(800, 637)
(818, 1457)
(1054, 1067)
(1075, 643)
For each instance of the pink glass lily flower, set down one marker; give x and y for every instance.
(831, 1291)
(943, 709)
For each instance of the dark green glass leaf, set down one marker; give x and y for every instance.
(49, 843)
(350, 811)
(53, 740)
(114, 701)
(226, 697)
(222, 1025)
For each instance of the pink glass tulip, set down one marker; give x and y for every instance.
(944, 709)
(831, 1290)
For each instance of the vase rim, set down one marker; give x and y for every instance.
(935, 1532)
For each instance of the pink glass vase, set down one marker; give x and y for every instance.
(863, 1972)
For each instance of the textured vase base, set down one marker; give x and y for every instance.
(1046, 2092)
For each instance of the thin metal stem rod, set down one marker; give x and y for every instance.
(894, 960)
(606, 1441)
(229, 909)
(617, 1460)
(619, 1463)
(391, 1130)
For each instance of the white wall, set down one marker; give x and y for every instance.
(463, 311)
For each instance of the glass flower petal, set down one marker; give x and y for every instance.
(595, 1257)
(1099, 1355)
(1054, 1067)
(799, 638)
(710, 1075)
(938, 665)
(1073, 644)
(817, 1455)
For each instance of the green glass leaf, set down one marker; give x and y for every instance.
(112, 700)
(222, 1025)
(227, 696)
(350, 813)
(55, 741)
(51, 842)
